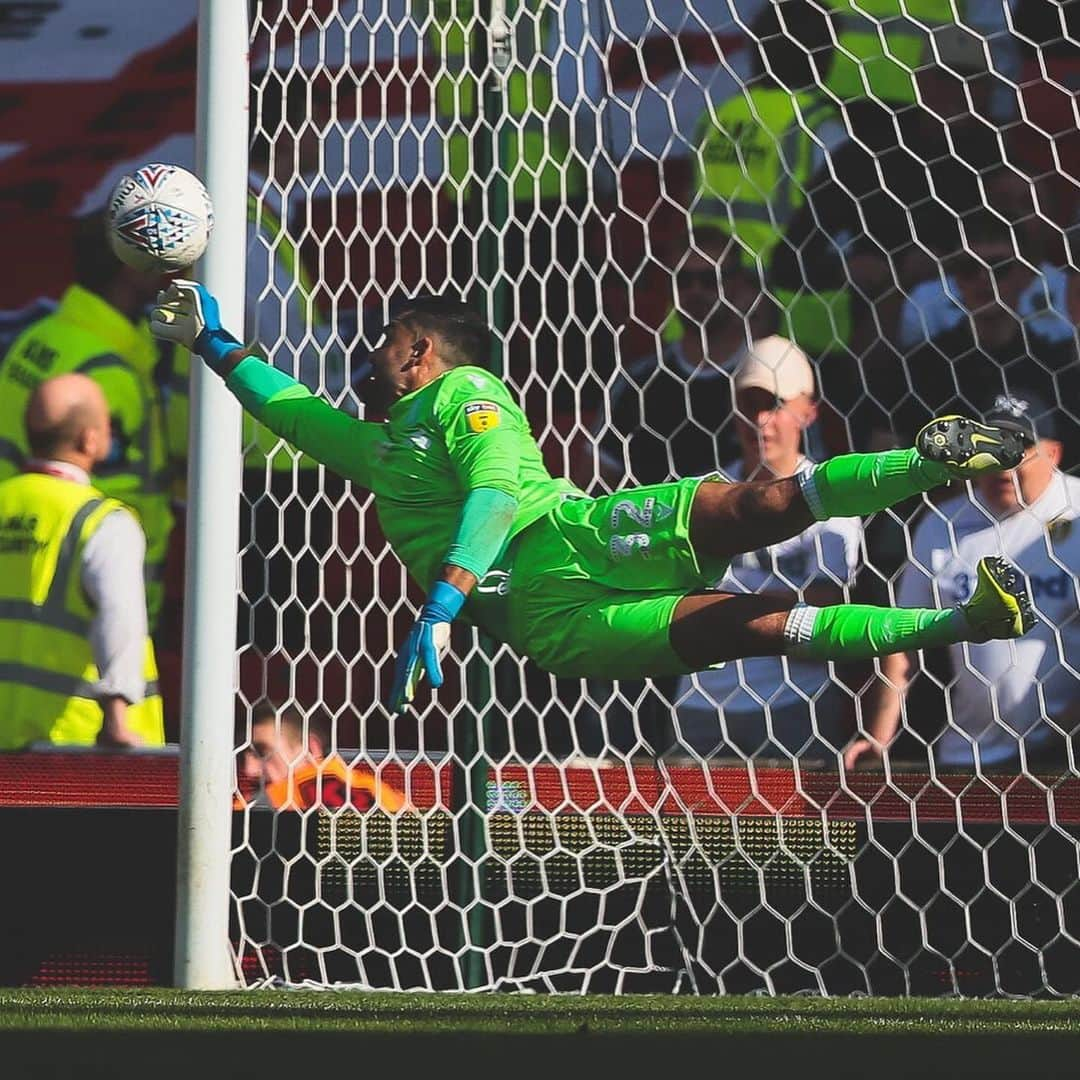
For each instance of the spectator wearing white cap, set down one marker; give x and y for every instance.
(772, 706)
(1008, 704)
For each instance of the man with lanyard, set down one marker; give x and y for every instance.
(76, 662)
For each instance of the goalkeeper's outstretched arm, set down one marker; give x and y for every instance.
(486, 469)
(186, 313)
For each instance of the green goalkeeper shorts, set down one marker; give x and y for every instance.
(590, 589)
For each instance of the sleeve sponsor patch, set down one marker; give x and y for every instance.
(482, 416)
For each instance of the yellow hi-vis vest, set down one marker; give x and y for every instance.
(880, 45)
(47, 669)
(539, 154)
(259, 444)
(755, 158)
(86, 334)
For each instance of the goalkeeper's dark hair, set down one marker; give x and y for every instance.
(464, 336)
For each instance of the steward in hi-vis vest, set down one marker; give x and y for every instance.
(757, 152)
(98, 330)
(757, 156)
(880, 46)
(76, 662)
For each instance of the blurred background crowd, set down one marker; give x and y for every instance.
(741, 241)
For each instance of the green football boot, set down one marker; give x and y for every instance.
(1000, 607)
(968, 448)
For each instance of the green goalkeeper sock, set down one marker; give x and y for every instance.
(860, 631)
(856, 484)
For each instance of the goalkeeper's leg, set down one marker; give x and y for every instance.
(708, 628)
(728, 519)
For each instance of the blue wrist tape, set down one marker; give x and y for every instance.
(444, 601)
(214, 345)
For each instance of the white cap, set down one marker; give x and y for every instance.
(777, 365)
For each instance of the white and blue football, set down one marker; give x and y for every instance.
(159, 218)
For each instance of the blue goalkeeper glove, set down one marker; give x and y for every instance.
(188, 315)
(427, 642)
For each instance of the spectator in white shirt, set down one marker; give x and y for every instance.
(1009, 704)
(773, 706)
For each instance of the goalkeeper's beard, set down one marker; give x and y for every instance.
(378, 393)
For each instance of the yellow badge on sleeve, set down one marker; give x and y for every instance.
(482, 416)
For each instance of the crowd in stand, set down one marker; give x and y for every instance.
(903, 231)
(861, 253)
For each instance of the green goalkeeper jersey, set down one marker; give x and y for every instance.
(460, 432)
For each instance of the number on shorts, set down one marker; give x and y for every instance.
(641, 516)
(622, 547)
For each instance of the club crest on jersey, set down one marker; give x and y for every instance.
(482, 416)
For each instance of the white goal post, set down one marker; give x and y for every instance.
(202, 953)
(635, 194)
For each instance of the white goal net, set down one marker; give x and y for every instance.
(872, 195)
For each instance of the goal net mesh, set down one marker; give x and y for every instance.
(635, 194)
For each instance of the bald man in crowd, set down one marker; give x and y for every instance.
(76, 663)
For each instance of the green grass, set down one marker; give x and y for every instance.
(420, 1014)
(119, 1033)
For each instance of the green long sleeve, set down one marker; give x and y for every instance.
(339, 441)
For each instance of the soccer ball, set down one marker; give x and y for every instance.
(159, 219)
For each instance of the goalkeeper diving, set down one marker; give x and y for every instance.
(610, 587)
